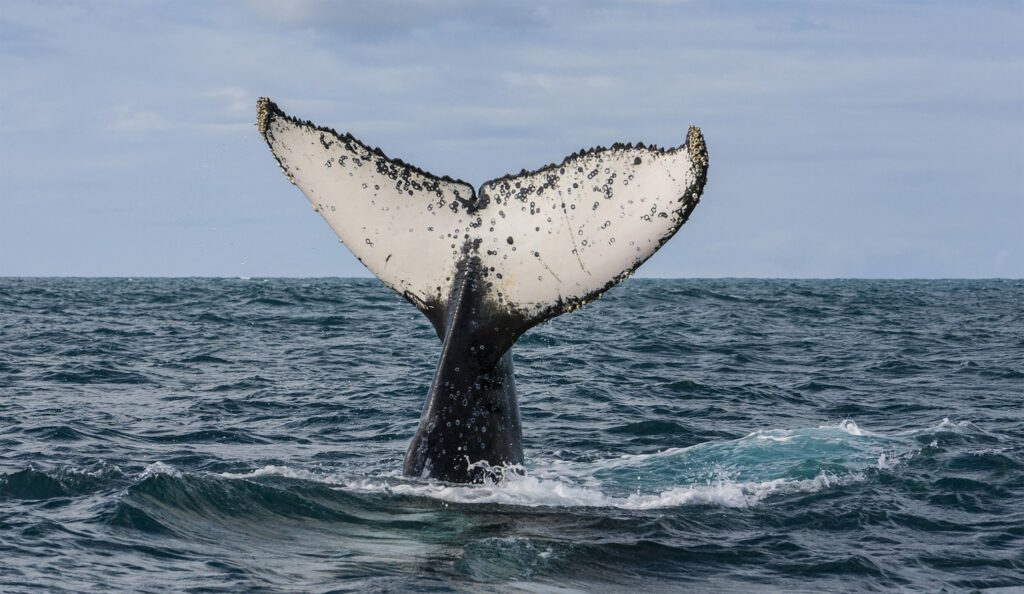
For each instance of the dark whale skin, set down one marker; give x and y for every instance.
(471, 413)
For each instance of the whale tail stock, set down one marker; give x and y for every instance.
(485, 266)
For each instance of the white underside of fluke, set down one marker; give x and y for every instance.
(549, 239)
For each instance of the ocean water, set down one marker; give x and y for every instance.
(223, 435)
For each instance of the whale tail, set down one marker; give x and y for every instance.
(485, 266)
(536, 244)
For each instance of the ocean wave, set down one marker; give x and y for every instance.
(733, 473)
(531, 491)
(38, 484)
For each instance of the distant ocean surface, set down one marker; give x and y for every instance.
(228, 435)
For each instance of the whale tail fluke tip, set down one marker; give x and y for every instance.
(265, 108)
(698, 149)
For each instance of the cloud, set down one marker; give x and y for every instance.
(547, 82)
(128, 118)
(234, 101)
(380, 19)
(22, 40)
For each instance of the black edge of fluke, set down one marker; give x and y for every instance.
(597, 149)
(267, 111)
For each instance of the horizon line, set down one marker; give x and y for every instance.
(642, 278)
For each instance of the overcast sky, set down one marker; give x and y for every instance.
(855, 139)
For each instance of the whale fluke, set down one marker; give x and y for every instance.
(485, 266)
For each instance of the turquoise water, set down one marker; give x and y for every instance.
(214, 435)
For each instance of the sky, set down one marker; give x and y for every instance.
(846, 139)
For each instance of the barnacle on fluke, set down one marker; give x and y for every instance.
(485, 266)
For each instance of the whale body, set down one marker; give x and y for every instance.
(486, 266)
